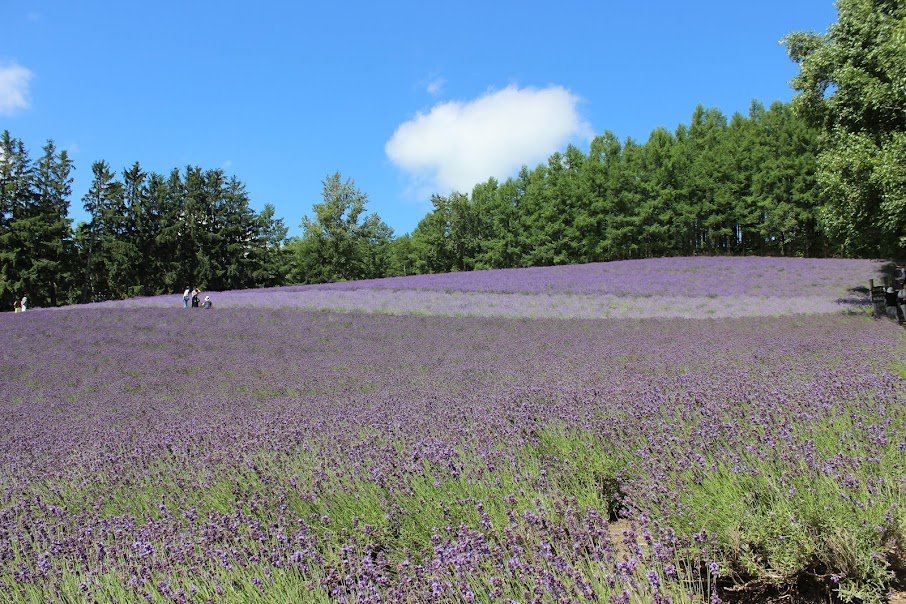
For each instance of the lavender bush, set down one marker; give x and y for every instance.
(266, 454)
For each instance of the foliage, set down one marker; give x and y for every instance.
(341, 242)
(713, 187)
(851, 86)
(35, 231)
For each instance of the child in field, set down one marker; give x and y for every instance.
(207, 302)
(17, 305)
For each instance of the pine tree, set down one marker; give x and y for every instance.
(15, 197)
(51, 249)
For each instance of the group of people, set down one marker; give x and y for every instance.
(193, 296)
(21, 304)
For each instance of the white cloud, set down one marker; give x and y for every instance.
(14, 88)
(459, 144)
(435, 86)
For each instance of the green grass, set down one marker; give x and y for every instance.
(777, 521)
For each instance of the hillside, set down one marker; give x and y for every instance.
(261, 451)
(668, 287)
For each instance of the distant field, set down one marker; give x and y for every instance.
(702, 287)
(412, 443)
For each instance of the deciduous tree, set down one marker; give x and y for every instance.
(852, 85)
(341, 241)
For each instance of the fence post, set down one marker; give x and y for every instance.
(877, 299)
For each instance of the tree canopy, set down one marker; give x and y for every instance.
(852, 86)
(340, 242)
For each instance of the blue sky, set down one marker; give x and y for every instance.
(405, 98)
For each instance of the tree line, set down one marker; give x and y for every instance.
(146, 234)
(823, 175)
(740, 186)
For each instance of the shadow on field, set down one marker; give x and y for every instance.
(857, 300)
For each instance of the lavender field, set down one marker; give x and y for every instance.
(637, 289)
(729, 429)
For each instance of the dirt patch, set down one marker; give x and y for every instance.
(619, 531)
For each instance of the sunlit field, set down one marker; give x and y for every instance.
(677, 430)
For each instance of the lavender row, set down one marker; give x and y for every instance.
(697, 276)
(668, 288)
(516, 305)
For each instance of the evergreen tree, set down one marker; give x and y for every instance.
(531, 185)
(49, 247)
(108, 239)
(502, 203)
(157, 246)
(783, 198)
(135, 235)
(658, 180)
(35, 231)
(433, 238)
(15, 198)
(708, 182)
(274, 266)
(561, 209)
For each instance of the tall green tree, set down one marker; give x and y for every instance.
(35, 229)
(233, 233)
(502, 206)
(433, 238)
(274, 266)
(528, 222)
(659, 182)
(156, 237)
(783, 199)
(96, 237)
(341, 242)
(108, 240)
(563, 209)
(15, 198)
(50, 248)
(601, 175)
(852, 85)
(709, 182)
(134, 243)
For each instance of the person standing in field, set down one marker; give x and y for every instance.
(17, 305)
(890, 299)
(185, 298)
(195, 293)
(901, 303)
(24, 302)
